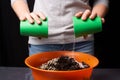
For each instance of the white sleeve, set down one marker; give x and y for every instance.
(105, 2)
(12, 1)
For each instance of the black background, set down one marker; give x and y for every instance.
(13, 47)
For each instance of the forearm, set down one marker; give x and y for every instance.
(20, 7)
(100, 9)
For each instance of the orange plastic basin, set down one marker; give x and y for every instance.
(35, 60)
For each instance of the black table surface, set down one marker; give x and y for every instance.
(23, 73)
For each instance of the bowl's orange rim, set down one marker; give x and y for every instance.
(59, 71)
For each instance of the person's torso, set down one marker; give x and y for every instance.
(60, 13)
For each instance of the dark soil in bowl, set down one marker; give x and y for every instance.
(63, 63)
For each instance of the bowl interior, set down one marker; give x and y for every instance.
(35, 60)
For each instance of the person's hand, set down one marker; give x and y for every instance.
(33, 16)
(84, 15)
